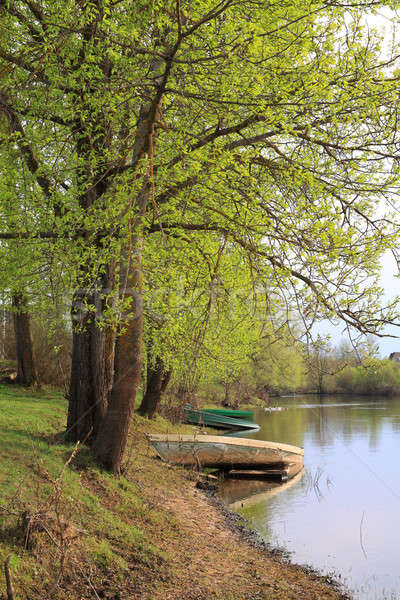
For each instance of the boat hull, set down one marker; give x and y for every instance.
(248, 415)
(219, 421)
(223, 452)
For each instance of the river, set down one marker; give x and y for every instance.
(342, 515)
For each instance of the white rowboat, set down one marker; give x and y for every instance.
(223, 452)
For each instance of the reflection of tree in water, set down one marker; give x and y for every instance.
(288, 426)
(321, 427)
(325, 423)
(396, 425)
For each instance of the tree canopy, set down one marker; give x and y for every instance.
(271, 128)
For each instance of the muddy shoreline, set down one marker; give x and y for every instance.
(240, 526)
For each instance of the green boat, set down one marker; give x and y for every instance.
(235, 414)
(211, 419)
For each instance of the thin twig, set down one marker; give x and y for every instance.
(8, 511)
(74, 453)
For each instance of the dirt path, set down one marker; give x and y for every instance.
(211, 557)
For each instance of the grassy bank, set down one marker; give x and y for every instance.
(74, 532)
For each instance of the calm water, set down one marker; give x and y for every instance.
(342, 515)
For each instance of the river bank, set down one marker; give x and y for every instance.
(73, 531)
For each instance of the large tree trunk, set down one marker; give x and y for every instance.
(93, 340)
(26, 372)
(112, 437)
(92, 362)
(110, 443)
(157, 381)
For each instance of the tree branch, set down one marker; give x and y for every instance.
(40, 76)
(16, 129)
(27, 235)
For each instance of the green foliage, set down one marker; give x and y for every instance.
(279, 366)
(272, 365)
(375, 377)
(270, 137)
(250, 148)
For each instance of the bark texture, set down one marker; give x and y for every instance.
(26, 371)
(92, 362)
(3, 328)
(111, 441)
(227, 401)
(157, 382)
(111, 438)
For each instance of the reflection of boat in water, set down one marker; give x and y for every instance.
(237, 493)
(243, 432)
(223, 452)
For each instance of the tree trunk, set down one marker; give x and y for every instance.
(3, 326)
(110, 443)
(157, 381)
(228, 397)
(112, 437)
(92, 362)
(26, 372)
(89, 384)
(320, 383)
(166, 380)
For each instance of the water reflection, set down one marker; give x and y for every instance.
(343, 514)
(238, 493)
(245, 433)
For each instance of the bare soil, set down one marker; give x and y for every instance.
(213, 553)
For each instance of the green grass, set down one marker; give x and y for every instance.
(111, 512)
(148, 535)
(28, 422)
